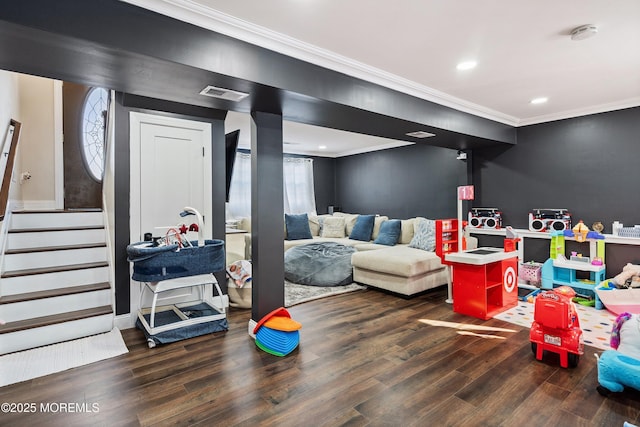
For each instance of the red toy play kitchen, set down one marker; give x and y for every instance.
(556, 326)
(485, 281)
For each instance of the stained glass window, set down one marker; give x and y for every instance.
(94, 114)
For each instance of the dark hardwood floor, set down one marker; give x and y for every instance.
(363, 360)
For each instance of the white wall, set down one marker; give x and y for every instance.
(9, 109)
(37, 142)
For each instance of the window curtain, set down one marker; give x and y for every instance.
(240, 189)
(299, 194)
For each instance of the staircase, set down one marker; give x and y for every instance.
(54, 284)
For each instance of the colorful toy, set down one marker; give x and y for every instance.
(621, 367)
(556, 326)
(277, 333)
(629, 278)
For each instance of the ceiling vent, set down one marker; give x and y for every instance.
(584, 32)
(226, 94)
(421, 134)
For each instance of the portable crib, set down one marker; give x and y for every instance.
(167, 268)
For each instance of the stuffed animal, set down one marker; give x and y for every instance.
(621, 367)
(630, 273)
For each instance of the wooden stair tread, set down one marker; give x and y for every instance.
(50, 211)
(51, 293)
(46, 229)
(38, 322)
(54, 248)
(57, 269)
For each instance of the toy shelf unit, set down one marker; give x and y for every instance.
(484, 281)
(560, 272)
(447, 239)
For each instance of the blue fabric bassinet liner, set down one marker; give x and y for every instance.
(167, 317)
(154, 264)
(279, 341)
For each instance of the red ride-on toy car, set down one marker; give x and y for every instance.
(556, 327)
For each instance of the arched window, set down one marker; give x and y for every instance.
(94, 114)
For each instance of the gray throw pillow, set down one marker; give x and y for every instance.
(425, 235)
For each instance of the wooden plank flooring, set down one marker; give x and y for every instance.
(364, 360)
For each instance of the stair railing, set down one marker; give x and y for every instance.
(9, 149)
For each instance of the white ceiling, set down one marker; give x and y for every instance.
(522, 47)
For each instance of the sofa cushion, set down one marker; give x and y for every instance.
(363, 228)
(389, 232)
(397, 260)
(425, 235)
(333, 226)
(376, 226)
(297, 226)
(407, 232)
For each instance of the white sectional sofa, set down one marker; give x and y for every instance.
(401, 269)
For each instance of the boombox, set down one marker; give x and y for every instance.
(549, 220)
(485, 218)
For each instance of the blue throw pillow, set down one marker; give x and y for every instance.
(297, 226)
(363, 228)
(389, 232)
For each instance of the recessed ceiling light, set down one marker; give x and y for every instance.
(420, 134)
(466, 65)
(322, 147)
(540, 100)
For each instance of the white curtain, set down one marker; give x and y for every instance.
(240, 189)
(299, 194)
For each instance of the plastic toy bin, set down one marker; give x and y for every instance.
(530, 272)
(154, 264)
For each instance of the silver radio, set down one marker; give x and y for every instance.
(549, 220)
(485, 218)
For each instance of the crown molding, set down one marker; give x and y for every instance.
(211, 19)
(205, 17)
(594, 109)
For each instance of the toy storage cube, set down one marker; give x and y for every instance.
(531, 273)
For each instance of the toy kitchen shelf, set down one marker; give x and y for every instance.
(525, 233)
(559, 272)
(446, 237)
(484, 281)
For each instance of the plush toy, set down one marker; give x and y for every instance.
(631, 274)
(621, 367)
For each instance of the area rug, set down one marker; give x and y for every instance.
(596, 324)
(41, 361)
(297, 294)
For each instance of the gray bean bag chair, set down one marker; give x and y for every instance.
(319, 264)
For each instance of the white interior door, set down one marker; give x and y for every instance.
(170, 169)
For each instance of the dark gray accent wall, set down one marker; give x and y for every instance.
(416, 180)
(124, 105)
(324, 182)
(588, 165)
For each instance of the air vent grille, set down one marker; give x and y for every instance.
(421, 134)
(221, 93)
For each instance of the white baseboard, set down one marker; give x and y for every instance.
(125, 321)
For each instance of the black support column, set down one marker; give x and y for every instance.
(267, 214)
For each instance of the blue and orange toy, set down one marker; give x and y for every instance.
(277, 333)
(556, 326)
